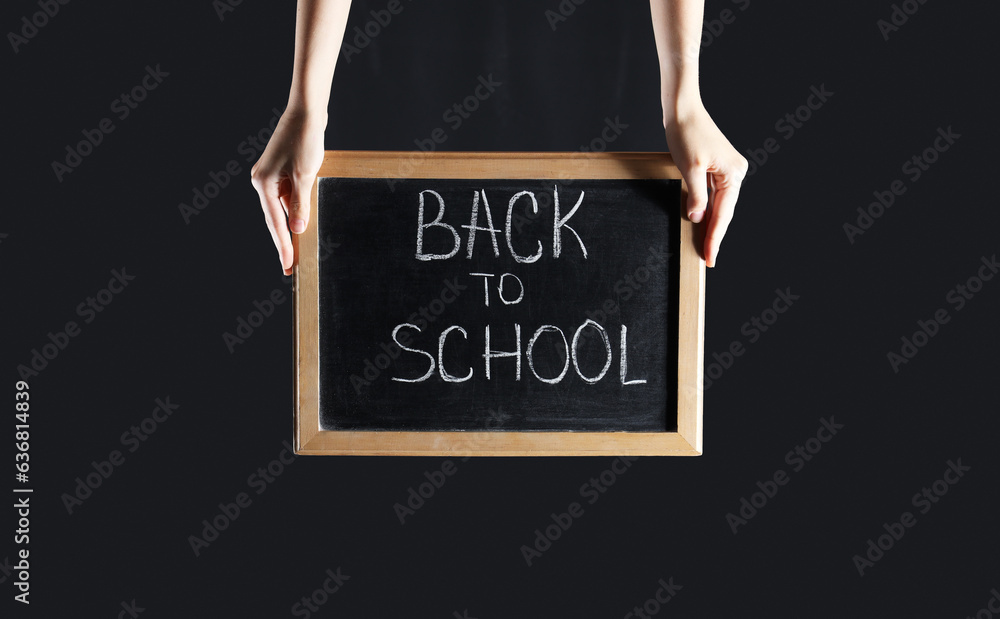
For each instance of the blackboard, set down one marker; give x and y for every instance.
(498, 304)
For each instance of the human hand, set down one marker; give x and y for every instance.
(707, 161)
(284, 177)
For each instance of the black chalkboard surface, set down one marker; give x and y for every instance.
(497, 307)
(614, 270)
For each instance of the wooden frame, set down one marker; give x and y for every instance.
(311, 440)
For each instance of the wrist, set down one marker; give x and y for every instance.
(680, 94)
(681, 107)
(306, 113)
(308, 99)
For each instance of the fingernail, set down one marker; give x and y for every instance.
(696, 216)
(298, 226)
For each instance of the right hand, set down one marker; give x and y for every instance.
(284, 177)
(706, 160)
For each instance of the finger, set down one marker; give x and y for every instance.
(723, 208)
(274, 214)
(285, 193)
(697, 193)
(298, 213)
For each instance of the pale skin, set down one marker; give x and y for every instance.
(286, 171)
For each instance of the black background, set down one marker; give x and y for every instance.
(461, 551)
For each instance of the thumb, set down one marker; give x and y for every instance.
(298, 211)
(697, 194)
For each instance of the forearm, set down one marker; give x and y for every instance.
(677, 28)
(319, 32)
